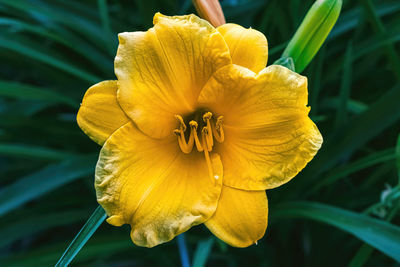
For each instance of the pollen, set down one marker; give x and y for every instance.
(211, 129)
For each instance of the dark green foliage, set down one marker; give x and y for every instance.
(343, 209)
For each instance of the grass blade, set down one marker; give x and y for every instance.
(345, 88)
(100, 246)
(25, 91)
(95, 220)
(105, 21)
(398, 157)
(353, 106)
(353, 134)
(183, 252)
(379, 234)
(378, 26)
(335, 175)
(202, 252)
(19, 47)
(32, 225)
(35, 152)
(361, 256)
(62, 36)
(43, 181)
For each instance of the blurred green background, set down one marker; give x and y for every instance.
(347, 199)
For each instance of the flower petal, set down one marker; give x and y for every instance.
(161, 72)
(248, 47)
(152, 185)
(100, 114)
(241, 217)
(269, 137)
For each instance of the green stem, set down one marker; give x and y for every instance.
(95, 220)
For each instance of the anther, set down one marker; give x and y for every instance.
(182, 125)
(186, 147)
(218, 131)
(210, 131)
(193, 124)
(206, 118)
(193, 132)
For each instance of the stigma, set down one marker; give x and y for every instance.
(203, 139)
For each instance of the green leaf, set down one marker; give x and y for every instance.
(105, 21)
(35, 152)
(353, 135)
(350, 19)
(25, 91)
(353, 106)
(361, 256)
(341, 172)
(23, 49)
(377, 43)
(63, 36)
(378, 27)
(43, 181)
(32, 225)
(315, 84)
(99, 247)
(398, 158)
(202, 252)
(53, 14)
(345, 87)
(377, 233)
(95, 220)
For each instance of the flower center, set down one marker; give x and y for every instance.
(211, 129)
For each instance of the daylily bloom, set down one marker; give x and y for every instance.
(194, 130)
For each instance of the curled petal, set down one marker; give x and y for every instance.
(241, 217)
(100, 114)
(248, 47)
(269, 137)
(153, 186)
(161, 72)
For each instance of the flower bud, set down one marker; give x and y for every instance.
(312, 32)
(210, 10)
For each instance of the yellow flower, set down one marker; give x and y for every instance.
(194, 130)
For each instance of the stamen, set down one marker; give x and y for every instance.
(210, 131)
(218, 131)
(206, 118)
(193, 129)
(206, 154)
(205, 135)
(182, 125)
(186, 147)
